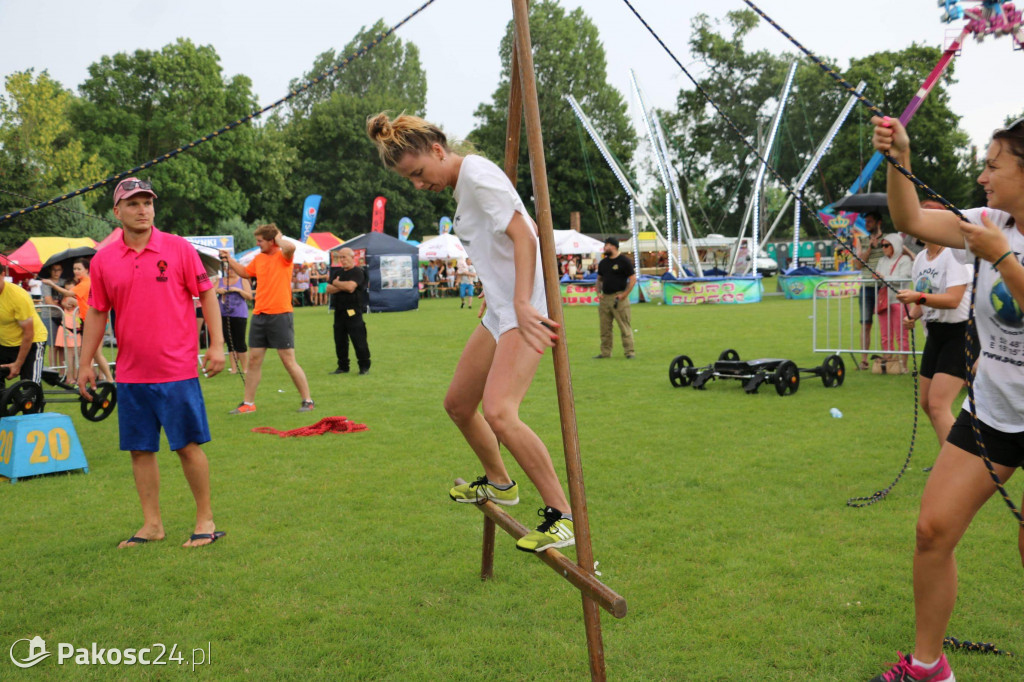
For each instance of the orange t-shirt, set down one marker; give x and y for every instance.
(81, 290)
(273, 273)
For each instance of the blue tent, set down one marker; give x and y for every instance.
(394, 271)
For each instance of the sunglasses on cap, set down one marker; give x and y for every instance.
(129, 185)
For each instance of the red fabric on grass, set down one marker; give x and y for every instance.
(325, 425)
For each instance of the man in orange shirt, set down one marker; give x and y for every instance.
(272, 325)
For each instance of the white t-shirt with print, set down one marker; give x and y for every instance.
(487, 201)
(999, 384)
(936, 277)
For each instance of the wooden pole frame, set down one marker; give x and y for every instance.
(523, 100)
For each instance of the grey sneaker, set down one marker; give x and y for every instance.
(307, 406)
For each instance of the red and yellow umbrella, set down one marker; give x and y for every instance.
(323, 240)
(31, 255)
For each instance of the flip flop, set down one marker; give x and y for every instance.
(135, 540)
(212, 537)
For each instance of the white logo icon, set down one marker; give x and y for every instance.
(36, 652)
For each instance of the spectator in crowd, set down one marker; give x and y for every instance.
(894, 268)
(870, 252)
(68, 341)
(616, 278)
(51, 299)
(431, 274)
(22, 333)
(467, 276)
(234, 294)
(347, 286)
(272, 325)
(79, 289)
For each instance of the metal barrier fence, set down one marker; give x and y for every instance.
(836, 321)
(57, 325)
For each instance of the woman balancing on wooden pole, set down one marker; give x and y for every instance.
(502, 355)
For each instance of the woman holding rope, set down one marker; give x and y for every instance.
(234, 294)
(960, 482)
(502, 354)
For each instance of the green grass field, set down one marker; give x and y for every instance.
(719, 516)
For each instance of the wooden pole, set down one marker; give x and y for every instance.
(584, 581)
(563, 378)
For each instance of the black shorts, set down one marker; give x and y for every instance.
(1002, 448)
(272, 331)
(234, 333)
(31, 369)
(868, 293)
(945, 351)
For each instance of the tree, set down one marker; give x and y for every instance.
(746, 86)
(136, 107)
(337, 160)
(361, 77)
(568, 59)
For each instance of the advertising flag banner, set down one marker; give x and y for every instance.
(309, 210)
(405, 228)
(378, 214)
(445, 225)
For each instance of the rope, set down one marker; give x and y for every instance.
(983, 647)
(971, 321)
(325, 425)
(113, 179)
(65, 209)
(855, 502)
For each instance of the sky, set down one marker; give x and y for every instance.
(272, 42)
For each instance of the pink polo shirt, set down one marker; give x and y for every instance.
(151, 295)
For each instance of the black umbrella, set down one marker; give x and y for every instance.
(66, 259)
(863, 203)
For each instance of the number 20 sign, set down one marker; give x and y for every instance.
(34, 444)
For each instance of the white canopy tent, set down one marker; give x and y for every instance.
(572, 243)
(442, 247)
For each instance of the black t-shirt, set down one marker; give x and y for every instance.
(343, 300)
(615, 274)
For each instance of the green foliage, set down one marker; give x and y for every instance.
(334, 156)
(569, 60)
(746, 85)
(340, 162)
(138, 106)
(391, 69)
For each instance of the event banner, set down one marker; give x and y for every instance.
(221, 241)
(378, 214)
(651, 288)
(580, 293)
(716, 290)
(309, 211)
(805, 287)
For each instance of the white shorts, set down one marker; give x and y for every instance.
(501, 318)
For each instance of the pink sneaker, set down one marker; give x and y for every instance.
(906, 671)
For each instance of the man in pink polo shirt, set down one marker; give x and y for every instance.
(157, 381)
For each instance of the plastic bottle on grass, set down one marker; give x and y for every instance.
(836, 414)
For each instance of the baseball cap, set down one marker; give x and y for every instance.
(129, 187)
(612, 241)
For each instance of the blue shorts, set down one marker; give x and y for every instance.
(465, 290)
(177, 406)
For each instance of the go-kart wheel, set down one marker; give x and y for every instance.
(787, 378)
(833, 371)
(24, 397)
(679, 371)
(729, 354)
(104, 398)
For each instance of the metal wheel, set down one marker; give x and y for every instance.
(729, 354)
(787, 378)
(104, 399)
(678, 371)
(834, 371)
(24, 397)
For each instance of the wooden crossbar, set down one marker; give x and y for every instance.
(581, 579)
